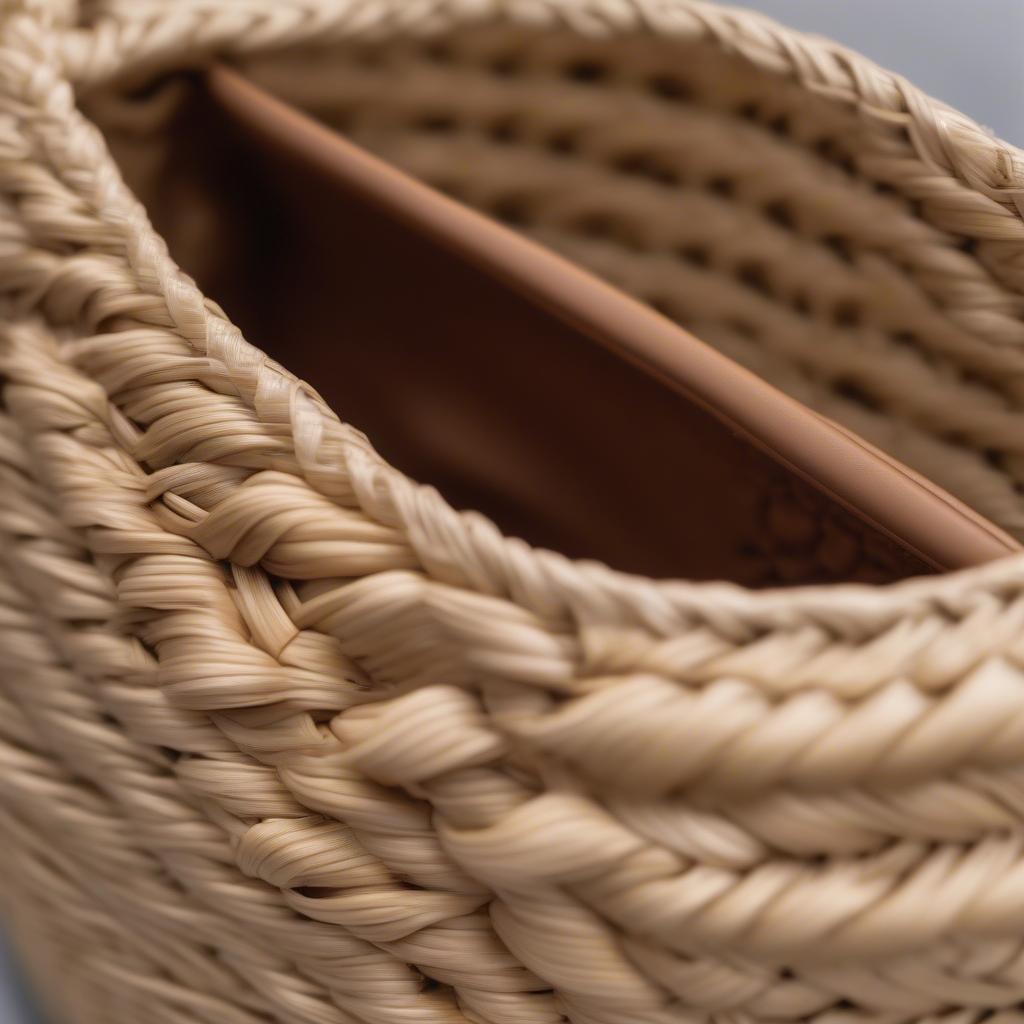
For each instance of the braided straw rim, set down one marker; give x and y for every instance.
(463, 548)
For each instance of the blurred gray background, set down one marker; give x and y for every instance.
(969, 53)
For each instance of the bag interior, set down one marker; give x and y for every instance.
(464, 384)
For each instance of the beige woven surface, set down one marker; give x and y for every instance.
(285, 738)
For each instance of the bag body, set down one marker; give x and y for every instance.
(286, 737)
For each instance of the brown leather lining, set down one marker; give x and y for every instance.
(522, 385)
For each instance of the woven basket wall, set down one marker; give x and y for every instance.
(283, 737)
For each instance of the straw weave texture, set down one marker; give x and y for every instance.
(283, 737)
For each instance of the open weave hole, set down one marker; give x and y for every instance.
(285, 738)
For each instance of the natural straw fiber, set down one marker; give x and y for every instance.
(283, 737)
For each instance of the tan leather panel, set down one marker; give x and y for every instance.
(523, 386)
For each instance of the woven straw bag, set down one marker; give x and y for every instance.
(284, 737)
